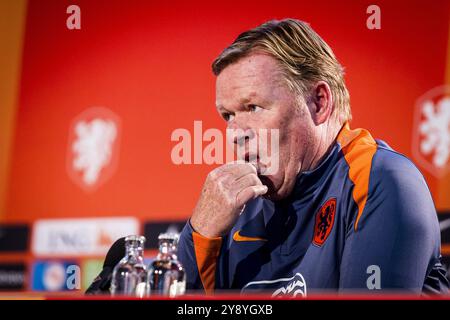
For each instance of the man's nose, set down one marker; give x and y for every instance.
(237, 123)
(240, 131)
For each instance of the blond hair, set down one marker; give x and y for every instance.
(304, 57)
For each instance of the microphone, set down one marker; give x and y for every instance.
(102, 282)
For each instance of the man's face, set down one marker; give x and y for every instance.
(250, 94)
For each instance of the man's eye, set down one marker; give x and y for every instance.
(254, 108)
(227, 116)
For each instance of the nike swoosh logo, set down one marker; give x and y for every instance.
(238, 238)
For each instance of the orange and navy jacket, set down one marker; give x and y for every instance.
(363, 220)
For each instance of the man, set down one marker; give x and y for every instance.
(343, 211)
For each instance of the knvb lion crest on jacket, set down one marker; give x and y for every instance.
(324, 222)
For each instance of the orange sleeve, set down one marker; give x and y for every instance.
(207, 251)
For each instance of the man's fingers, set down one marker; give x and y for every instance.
(250, 179)
(237, 169)
(250, 193)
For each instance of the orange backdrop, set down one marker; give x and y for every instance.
(149, 63)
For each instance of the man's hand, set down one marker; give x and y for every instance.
(226, 191)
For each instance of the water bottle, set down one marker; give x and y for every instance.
(166, 274)
(130, 275)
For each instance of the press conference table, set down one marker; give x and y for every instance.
(230, 296)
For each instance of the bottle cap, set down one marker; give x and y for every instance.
(170, 236)
(135, 238)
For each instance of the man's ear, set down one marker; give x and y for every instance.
(320, 102)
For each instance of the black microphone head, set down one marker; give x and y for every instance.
(102, 282)
(115, 253)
